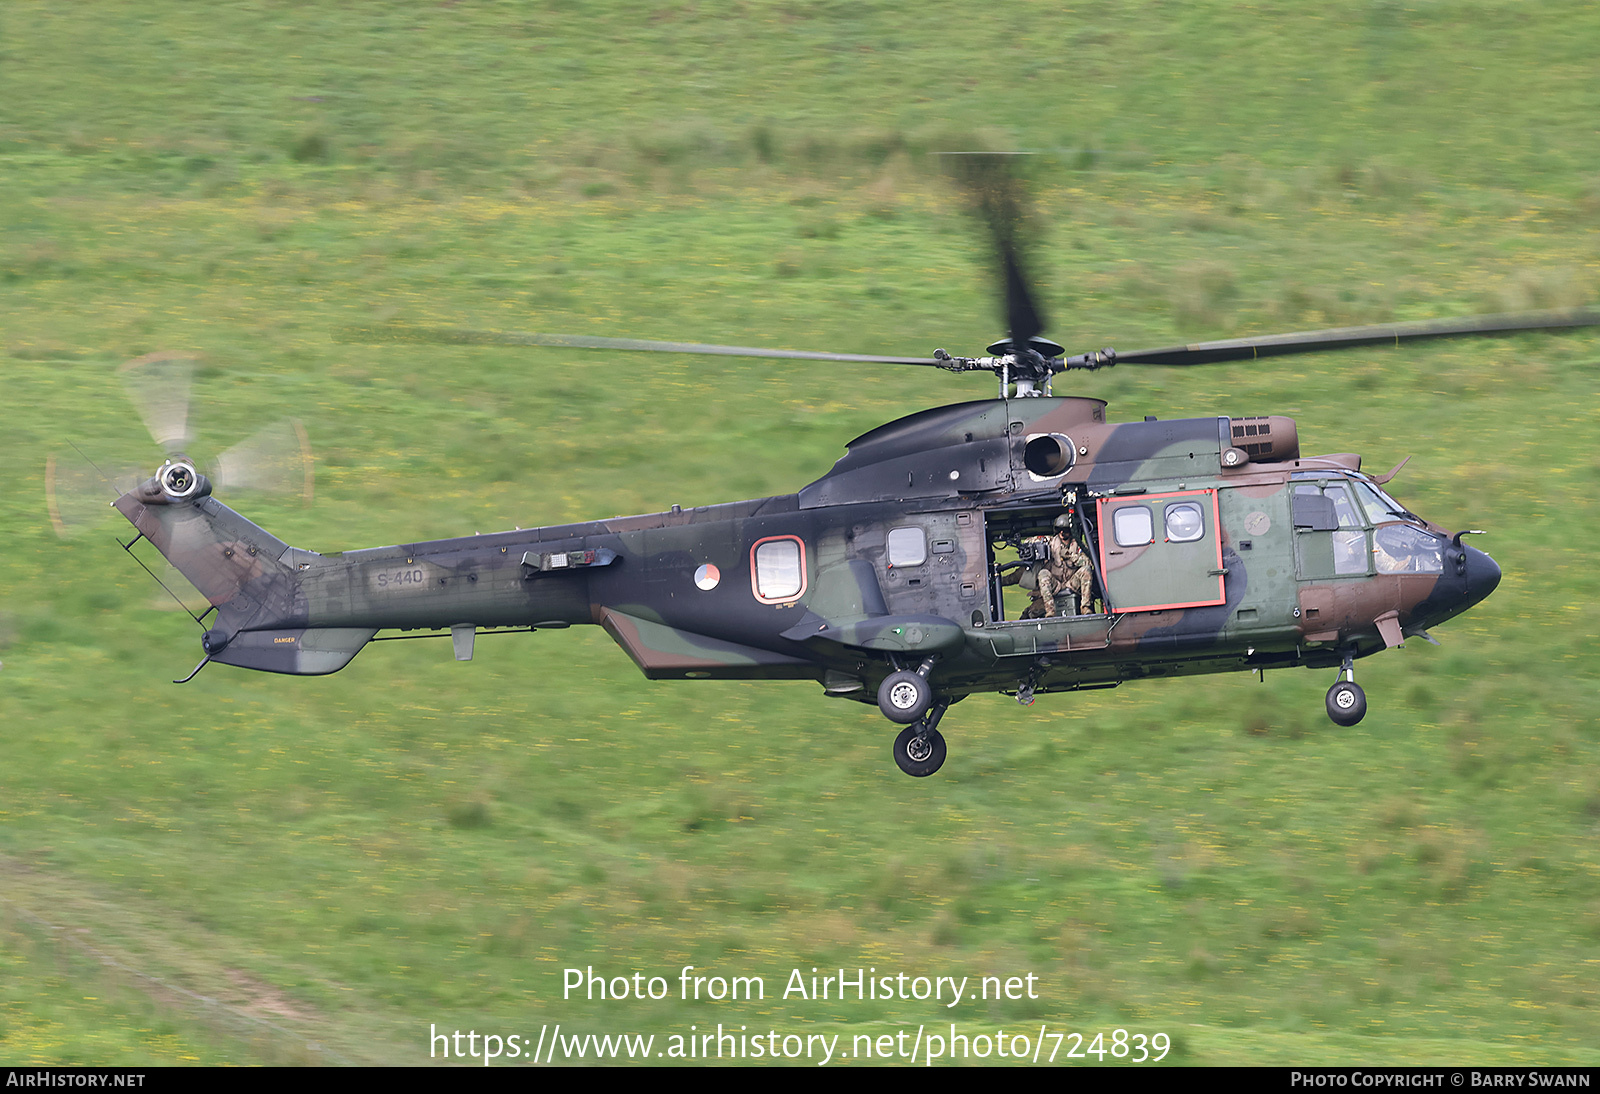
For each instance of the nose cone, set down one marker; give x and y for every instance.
(1483, 574)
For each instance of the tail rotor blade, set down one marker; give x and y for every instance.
(158, 384)
(276, 460)
(176, 594)
(78, 497)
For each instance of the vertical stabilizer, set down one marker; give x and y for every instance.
(250, 576)
(236, 565)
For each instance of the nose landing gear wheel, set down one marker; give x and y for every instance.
(919, 752)
(904, 697)
(1347, 703)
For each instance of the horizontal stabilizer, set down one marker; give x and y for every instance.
(299, 651)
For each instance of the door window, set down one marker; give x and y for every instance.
(1132, 527)
(1184, 522)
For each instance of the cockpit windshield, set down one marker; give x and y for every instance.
(1380, 506)
(1401, 549)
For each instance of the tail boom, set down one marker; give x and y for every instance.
(288, 610)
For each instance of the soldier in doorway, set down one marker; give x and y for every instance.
(1064, 580)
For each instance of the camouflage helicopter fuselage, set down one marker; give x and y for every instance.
(1215, 547)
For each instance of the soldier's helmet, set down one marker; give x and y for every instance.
(1064, 521)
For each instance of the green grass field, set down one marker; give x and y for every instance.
(261, 869)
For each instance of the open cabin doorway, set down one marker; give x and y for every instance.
(1019, 550)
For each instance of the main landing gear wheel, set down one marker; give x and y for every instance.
(904, 697)
(919, 751)
(1347, 703)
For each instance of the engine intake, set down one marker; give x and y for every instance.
(1048, 455)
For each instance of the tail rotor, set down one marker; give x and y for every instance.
(276, 459)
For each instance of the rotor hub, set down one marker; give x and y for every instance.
(178, 479)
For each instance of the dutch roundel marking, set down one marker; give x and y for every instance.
(1257, 524)
(706, 577)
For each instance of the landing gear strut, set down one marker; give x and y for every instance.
(919, 750)
(1347, 703)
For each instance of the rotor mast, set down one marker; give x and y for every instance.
(1032, 367)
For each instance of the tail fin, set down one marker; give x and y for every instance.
(251, 578)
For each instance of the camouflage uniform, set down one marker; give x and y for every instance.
(1080, 577)
(1068, 572)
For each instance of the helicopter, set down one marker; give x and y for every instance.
(1208, 544)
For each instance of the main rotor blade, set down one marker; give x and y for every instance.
(1001, 200)
(158, 385)
(1276, 345)
(387, 333)
(1022, 316)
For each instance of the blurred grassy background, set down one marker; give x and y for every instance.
(413, 841)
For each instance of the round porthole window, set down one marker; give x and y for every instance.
(1184, 523)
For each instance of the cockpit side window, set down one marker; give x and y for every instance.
(1349, 515)
(1350, 538)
